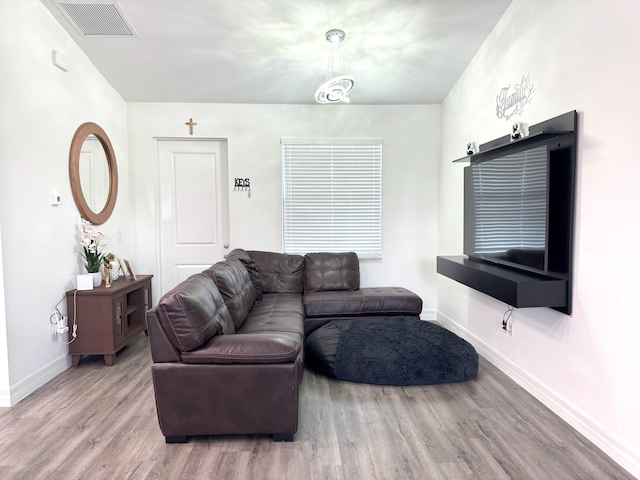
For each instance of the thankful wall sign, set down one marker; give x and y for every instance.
(511, 102)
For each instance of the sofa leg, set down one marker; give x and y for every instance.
(176, 439)
(283, 437)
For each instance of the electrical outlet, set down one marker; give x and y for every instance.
(63, 325)
(510, 327)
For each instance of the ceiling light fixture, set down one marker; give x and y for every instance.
(338, 85)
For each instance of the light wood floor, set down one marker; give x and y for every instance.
(97, 422)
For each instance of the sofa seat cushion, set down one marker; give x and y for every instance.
(264, 348)
(331, 271)
(365, 301)
(277, 312)
(193, 312)
(232, 279)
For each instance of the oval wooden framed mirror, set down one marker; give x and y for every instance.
(81, 187)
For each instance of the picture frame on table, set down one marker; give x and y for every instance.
(123, 267)
(132, 274)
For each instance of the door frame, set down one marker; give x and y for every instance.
(224, 186)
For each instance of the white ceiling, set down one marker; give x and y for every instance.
(274, 51)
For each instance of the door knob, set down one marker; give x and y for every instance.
(226, 245)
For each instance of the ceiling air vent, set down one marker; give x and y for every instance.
(98, 19)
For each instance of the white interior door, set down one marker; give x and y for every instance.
(194, 207)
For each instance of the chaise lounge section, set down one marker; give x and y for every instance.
(332, 292)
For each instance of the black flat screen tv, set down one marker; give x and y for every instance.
(506, 209)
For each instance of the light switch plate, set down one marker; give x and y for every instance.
(56, 199)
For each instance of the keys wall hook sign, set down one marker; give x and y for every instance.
(242, 185)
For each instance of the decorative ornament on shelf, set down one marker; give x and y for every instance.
(471, 148)
(111, 268)
(519, 130)
(107, 275)
(92, 245)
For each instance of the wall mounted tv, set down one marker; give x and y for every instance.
(518, 218)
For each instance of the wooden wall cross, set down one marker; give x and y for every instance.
(191, 123)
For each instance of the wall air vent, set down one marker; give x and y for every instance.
(98, 19)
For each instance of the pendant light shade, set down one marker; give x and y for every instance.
(338, 83)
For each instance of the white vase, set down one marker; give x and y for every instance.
(97, 278)
(114, 270)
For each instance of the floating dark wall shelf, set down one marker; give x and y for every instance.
(547, 282)
(515, 145)
(517, 288)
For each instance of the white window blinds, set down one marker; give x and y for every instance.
(332, 196)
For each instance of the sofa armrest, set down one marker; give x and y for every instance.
(272, 347)
(162, 350)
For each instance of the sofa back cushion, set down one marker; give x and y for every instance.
(331, 272)
(236, 288)
(251, 266)
(193, 312)
(280, 273)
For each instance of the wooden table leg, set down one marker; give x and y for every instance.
(109, 359)
(75, 360)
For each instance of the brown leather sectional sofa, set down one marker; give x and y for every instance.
(228, 344)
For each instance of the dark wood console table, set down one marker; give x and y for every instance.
(107, 319)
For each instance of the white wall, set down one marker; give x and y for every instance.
(4, 355)
(40, 108)
(583, 56)
(411, 153)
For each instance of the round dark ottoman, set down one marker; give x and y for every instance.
(390, 351)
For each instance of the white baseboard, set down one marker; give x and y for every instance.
(602, 437)
(37, 379)
(429, 315)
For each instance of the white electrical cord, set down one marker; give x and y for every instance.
(57, 319)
